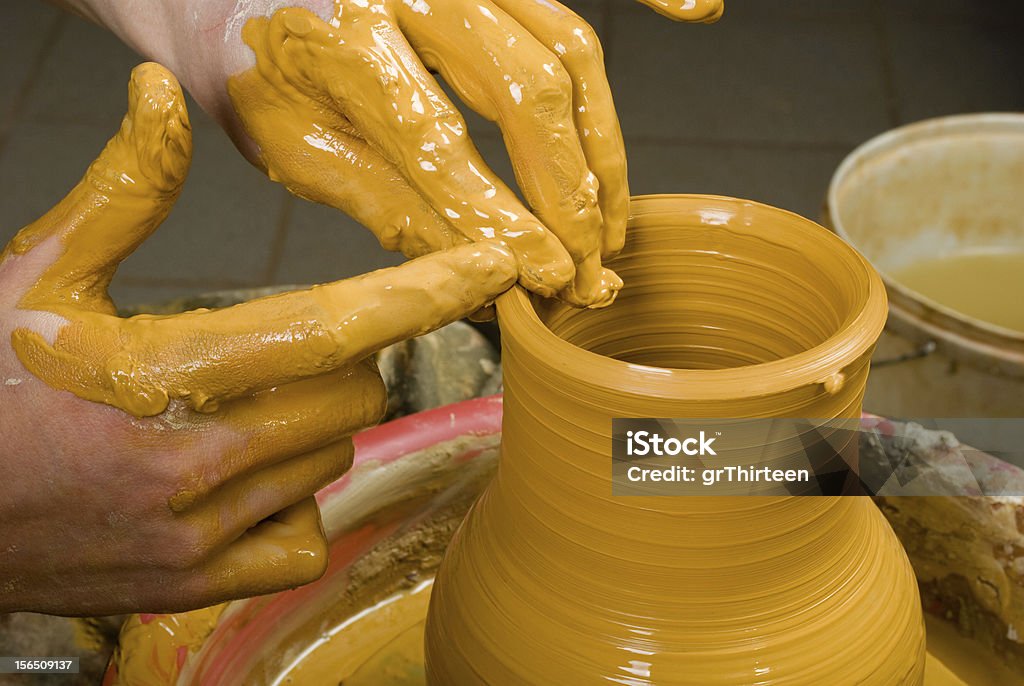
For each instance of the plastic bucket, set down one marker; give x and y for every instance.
(929, 190)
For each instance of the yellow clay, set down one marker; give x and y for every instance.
(346, 113)
(157, 641)
(273, 387)
(689, 10)
(730, 309)
(353, 653)
(205, 357)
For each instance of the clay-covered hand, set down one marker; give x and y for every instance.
(168, 462)
(336, 100)
(346, 112)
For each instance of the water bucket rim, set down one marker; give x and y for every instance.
(904, 301)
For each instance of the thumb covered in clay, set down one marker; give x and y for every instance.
(124, 196)
(706, 11)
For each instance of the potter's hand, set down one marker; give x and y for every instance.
(163, 463)
(346, 113)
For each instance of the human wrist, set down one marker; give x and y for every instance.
(189, 37)
(150, 28)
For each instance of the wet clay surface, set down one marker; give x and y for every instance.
(747, 311)
(689, 10)
(381, 646)
(391, 634)
(162, 640)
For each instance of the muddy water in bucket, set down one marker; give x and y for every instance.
(937, 208)
(982, 284)
(730, 309)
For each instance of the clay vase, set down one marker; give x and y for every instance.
(730, 309)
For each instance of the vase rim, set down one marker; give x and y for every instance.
(820, 364)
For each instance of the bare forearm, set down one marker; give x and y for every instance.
(149, 27)
(198, 40)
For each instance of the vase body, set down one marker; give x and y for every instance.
(730, 310)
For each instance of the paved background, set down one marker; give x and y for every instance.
(762, 105)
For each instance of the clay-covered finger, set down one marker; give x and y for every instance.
(367, 69)
(317, 155)
(296, 418)
(578, 48)
(285, 550)
(250, 498)
(204, 357)
(125, 194)
(509, 76)
(706, 11)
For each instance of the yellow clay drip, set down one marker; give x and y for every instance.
(689, 10)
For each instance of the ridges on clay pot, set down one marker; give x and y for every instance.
(731, 309)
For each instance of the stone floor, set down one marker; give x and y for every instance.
(762, 105)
